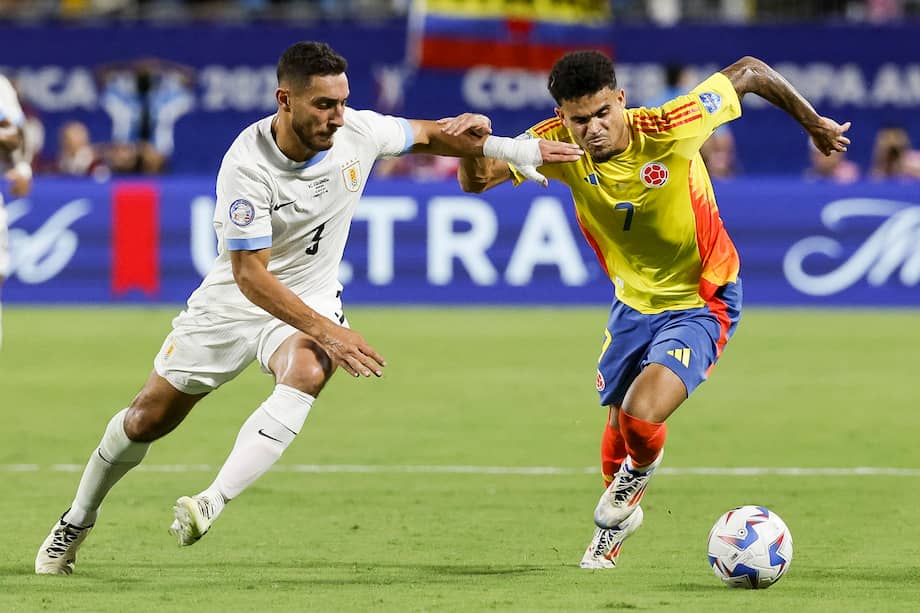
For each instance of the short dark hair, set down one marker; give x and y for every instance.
(305, 59)
(580, 73)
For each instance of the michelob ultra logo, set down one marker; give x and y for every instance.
(892, 248)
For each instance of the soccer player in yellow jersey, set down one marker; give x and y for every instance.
(645, 204)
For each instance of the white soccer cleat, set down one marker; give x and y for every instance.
(194, 516)
(622, 497)
(605, 546)
(58, 552)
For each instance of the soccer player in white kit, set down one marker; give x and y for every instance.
(286, 193)
(12, 148)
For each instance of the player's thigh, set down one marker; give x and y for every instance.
(687, 345)
(626, 340)
(300, 362)
(293, 357)
(203, 352)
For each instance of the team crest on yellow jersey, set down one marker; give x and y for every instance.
(654, 174)
(352, 175)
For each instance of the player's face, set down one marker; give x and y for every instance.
(317, 110)
(596, 121)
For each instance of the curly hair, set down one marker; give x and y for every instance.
(305, 59)
(580, 73)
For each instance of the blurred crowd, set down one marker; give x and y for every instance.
(664, 12)
(144, 99)
(893, 155)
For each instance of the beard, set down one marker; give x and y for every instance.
(311, 139)
(600, 155)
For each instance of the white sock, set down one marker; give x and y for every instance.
(629, 464)
(109, 462)
(262, 440)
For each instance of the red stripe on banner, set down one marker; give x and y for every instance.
(461, 54)
(135, 238)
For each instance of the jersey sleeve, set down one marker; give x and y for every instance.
(693, 117)
(243, 212)
(392, 135)
(10, 110)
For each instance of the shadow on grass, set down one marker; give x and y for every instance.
(142, 575)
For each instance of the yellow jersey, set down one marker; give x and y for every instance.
(650, 212)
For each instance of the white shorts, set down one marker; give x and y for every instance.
(4, 247)
(204, 351)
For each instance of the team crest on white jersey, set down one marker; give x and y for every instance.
(654, 174)
(242, 212)
(352, 175)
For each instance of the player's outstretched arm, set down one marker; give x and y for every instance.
(469, 135)
(480, 173)
(476, 174)
(346, 348)
(750, 75)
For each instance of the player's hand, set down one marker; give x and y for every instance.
(20, 185)
(474, 123)
(554, 151)
(827, 135)
(349, 350)
(532, 174)
(551, 152)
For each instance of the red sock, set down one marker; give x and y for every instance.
(613, 452)
(644, 439)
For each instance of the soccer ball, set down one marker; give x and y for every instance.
(750, 547)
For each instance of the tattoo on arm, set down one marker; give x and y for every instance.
(750, 75)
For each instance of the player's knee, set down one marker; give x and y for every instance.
(151, 417)
(307, 369)
(637, 409)
(139, 422)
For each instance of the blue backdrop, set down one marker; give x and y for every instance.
(870, 75)
(800, 244)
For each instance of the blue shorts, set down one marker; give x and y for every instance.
(687, 342)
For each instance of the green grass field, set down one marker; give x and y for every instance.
(479, 388)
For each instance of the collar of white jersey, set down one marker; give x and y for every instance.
(278, 157)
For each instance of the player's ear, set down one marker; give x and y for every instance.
(621, 97)
(558, 112)
(283, 97)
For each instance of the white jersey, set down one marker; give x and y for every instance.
(11, 111)
(302, 211)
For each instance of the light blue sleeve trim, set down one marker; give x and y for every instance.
(249, 244)
(409, 132)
